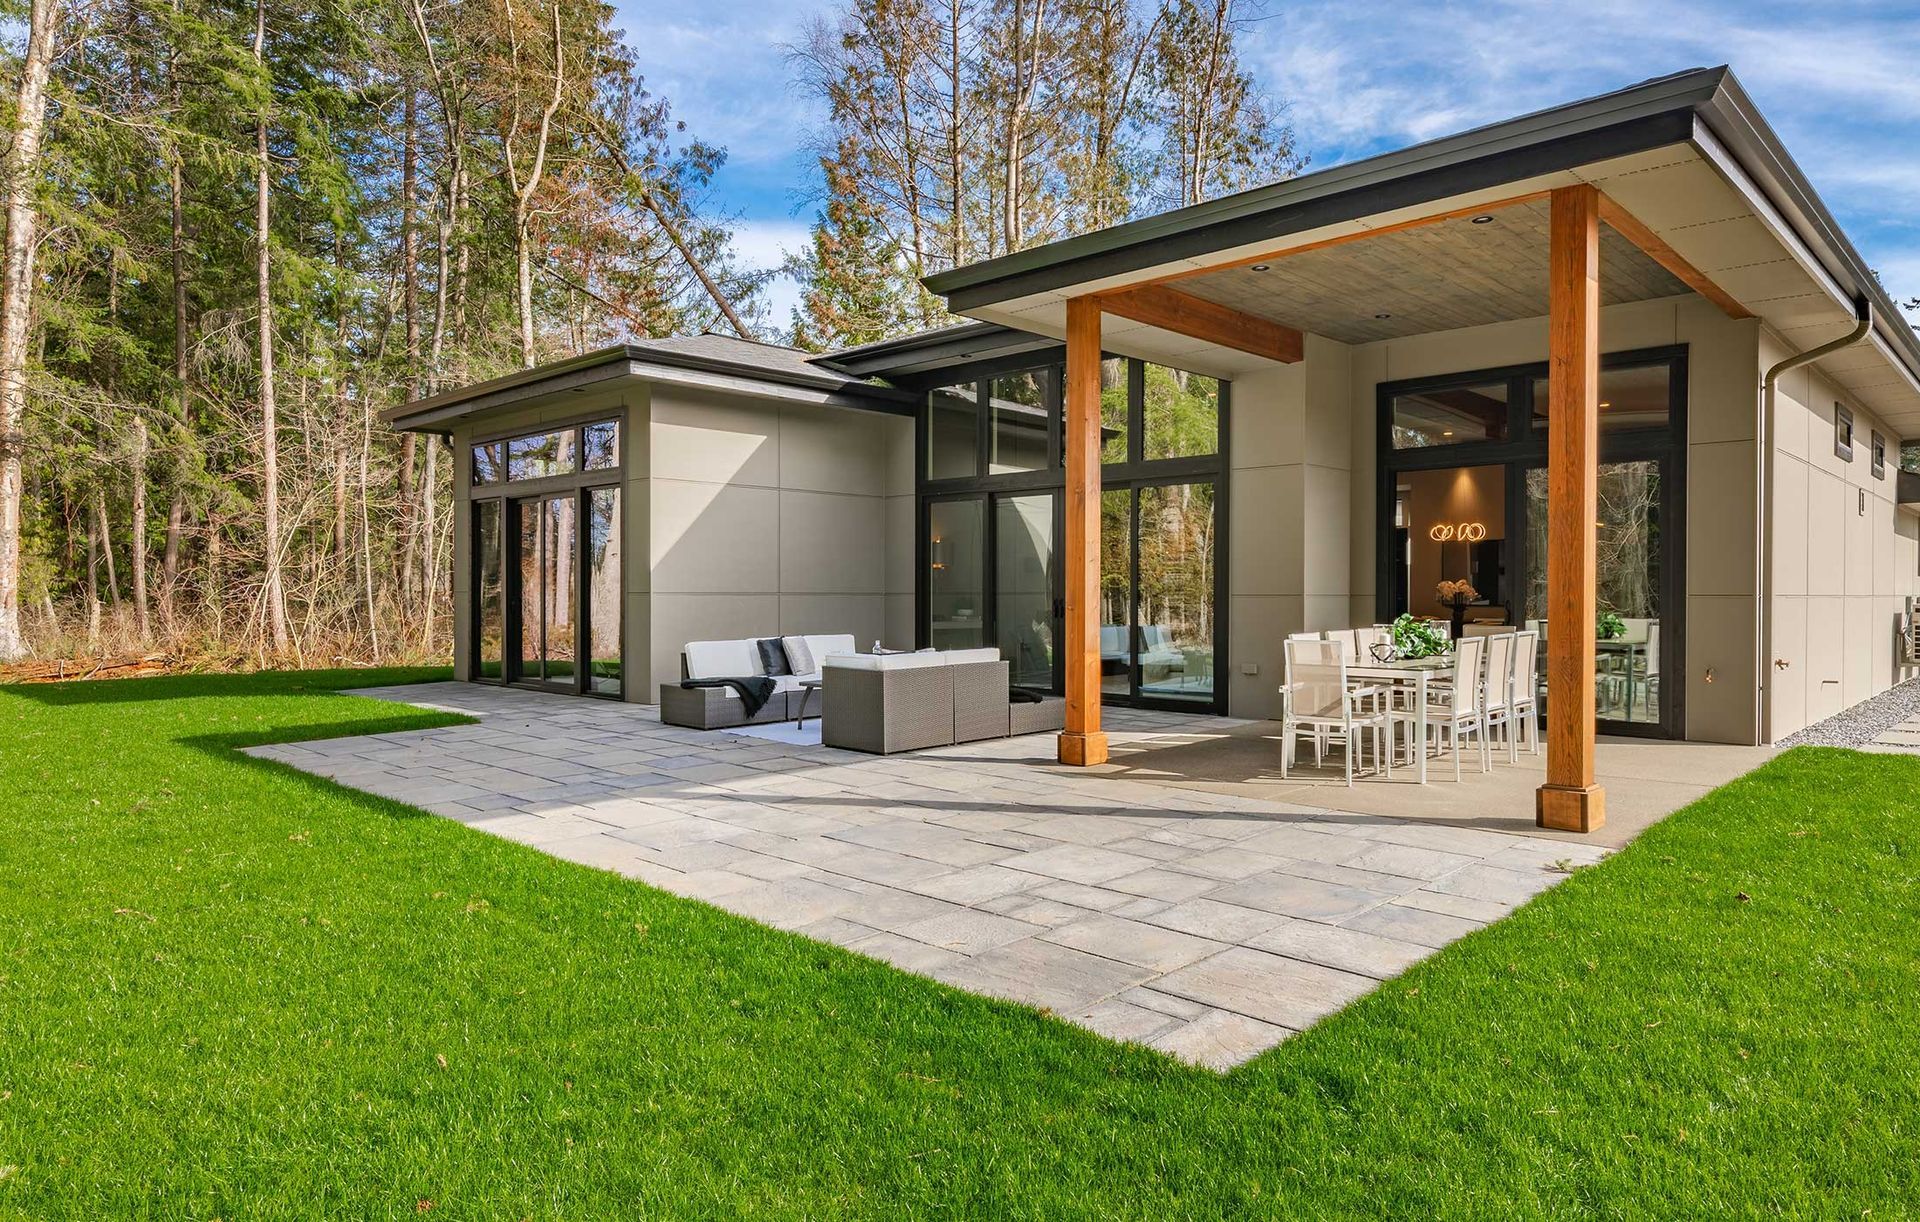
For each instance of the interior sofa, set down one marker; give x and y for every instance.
(906, 701)
(716, 708)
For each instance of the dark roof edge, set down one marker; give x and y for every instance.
(929, 350)
(620, 361)
(1732, 119)
(1643, 116)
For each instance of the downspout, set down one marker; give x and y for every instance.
(1763, 538)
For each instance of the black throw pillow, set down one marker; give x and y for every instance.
(773, 656)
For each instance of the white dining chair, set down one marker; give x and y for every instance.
(1496, 689)
(1454, 706)
(1524, 710)
(1318, 698)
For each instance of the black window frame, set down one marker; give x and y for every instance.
(512, 496)
(1842, 432)
(1133, 473)
(1526, 448)
(1879, 452)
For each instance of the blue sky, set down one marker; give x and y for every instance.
(1839, 81)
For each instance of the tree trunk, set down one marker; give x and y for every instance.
(103, 532)
(137, 544)
(269, 422)
(177, 506)
(21, 169)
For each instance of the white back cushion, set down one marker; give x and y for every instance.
(1113, 640)
(822, 646)
(722, 659)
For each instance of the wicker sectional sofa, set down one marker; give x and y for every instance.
(716, 708)
(903, 702)
(880, 703)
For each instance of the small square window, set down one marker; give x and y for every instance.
(1879, 455)
(1842, 433)
(486, 464)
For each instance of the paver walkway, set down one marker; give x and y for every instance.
(1208, 926)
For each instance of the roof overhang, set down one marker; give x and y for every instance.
(928, 352)
(1688, 156)
(594, 370)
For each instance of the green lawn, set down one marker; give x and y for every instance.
(230, 990)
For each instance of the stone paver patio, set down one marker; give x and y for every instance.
(1208, 926)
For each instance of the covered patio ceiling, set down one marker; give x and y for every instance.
(1465, 271)
(1429, 267)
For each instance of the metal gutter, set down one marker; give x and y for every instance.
(1863, 313)
(1745, 138)
(1645, 116)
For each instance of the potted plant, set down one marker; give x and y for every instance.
(1610, 627)
(1416, 638)
(1455, 595)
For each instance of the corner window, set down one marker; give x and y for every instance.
(486, 464)
(600, 442)
(568, 451)
(1842, 433)
(542, 455)
(1879, 456)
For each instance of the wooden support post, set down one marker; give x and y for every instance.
(1570, 801)
(1082, 742)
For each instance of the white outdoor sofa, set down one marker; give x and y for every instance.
(716, 708)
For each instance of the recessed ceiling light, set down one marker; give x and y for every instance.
(1446, 432)
(1383, 315)
(1604, 403)
(1483, 219)
(1260, 267)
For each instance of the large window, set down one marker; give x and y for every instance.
(1463, 499)
(992, 458)
(547, 577)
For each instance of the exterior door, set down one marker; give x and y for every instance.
(545, 632)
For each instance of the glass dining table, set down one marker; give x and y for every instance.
(1413, 675)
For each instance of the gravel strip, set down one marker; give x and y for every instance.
(1864, 722)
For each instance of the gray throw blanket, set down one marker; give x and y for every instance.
(754, 690)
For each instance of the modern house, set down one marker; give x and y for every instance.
(1610, 357)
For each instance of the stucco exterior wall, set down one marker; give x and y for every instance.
(1289, 489)
(775, 518)
(1844, 556)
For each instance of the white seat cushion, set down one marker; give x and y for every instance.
(883, 661)
(722, 659)
(959, 657)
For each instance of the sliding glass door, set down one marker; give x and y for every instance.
(548, 624)
(990, 579)
(1159, 586)
(991, 487)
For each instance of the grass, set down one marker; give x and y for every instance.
(231, 990)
